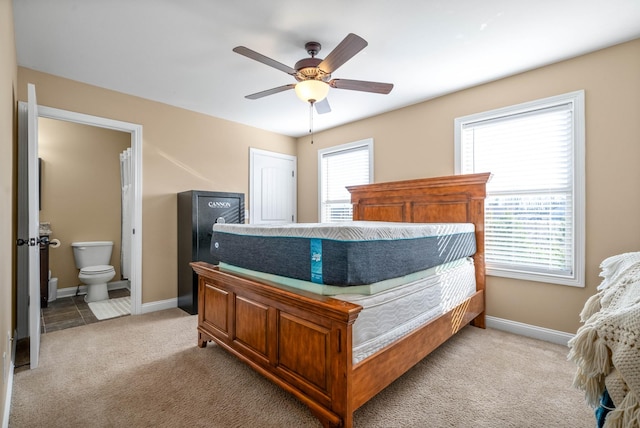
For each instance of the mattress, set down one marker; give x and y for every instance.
(389, 315)
(341, 254)
(391, 308)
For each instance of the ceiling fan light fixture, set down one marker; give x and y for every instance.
(312, 91)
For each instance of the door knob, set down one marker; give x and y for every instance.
(32, 242)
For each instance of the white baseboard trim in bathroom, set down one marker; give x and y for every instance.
(117, 285)
(146, 307)
(71, 291)
(159, 305)
(528, 330)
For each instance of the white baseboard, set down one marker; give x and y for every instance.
(71, 291)
(9, 391)
(115, 285)
(528, 330)
(7, 401)
(159, 305)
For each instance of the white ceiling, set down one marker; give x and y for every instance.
(179, 52)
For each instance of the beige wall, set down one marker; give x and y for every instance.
(185, 150)
(417, 141)
(80, 190)
(8, 154)
(181, 150)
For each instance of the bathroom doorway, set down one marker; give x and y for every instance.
(134, 241)
(80, 199)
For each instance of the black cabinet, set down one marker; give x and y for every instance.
(198, 211)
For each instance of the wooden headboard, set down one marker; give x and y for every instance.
(453, 199)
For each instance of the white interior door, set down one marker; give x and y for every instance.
(272, 188)
(34, 227)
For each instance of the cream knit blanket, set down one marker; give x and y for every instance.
(606, 348)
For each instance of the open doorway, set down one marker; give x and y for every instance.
(135, 215)
(27, 315)
(82, 199)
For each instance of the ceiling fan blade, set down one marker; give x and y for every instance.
(351, 45)
(361, 85)
(323, 106)
(263, 59)
(270, 91)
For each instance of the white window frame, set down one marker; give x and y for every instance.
(577, 278)
(367, 142)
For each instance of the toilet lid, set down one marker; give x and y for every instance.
(94, 270)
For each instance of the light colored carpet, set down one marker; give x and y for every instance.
(111, 308)
(147, 371)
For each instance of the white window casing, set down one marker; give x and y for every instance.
(340, 166)
(534, 211)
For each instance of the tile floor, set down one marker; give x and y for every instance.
(71, 311)
(65, 312)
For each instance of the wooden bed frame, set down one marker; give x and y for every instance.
(302, 341)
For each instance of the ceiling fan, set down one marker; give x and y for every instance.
(314, 74)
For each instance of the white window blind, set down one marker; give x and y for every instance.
(345, 165)
(534, 206)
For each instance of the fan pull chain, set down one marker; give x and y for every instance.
(311, 121)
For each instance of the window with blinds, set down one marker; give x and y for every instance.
(346, 165)
(534, 210)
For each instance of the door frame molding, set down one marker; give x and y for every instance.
(136, 155)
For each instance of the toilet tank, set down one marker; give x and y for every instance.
(92, 253)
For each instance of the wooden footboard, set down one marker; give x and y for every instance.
(303, 341)
(300, 341)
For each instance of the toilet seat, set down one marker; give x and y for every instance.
(96, 270)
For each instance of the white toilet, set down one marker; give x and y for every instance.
(92, 258)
